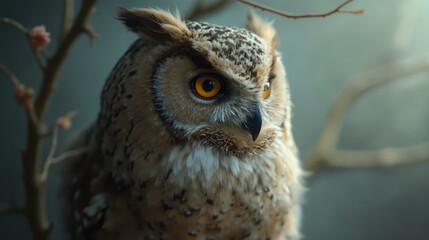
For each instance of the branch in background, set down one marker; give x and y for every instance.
(55, 63)
(296, 16)
(69, 154)
(12, 208)
(63, 122)
(10, 75)
(200, 8)
(15, 24)
(92, 34)
(386, 157)
(324, 153)
(68, 11)
(34, 179)
(23, 95)
(50, 156)
(37, 38)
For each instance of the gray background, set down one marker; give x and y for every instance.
(321, 57)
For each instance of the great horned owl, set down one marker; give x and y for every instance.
(193, 139)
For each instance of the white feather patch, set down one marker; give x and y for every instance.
(204, 164)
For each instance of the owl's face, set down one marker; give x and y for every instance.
(218, 86)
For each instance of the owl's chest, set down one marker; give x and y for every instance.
(191, 213)
(214, 200)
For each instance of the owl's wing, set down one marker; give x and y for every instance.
(83, 189)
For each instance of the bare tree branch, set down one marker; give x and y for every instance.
(23, 95)
(41, 61)
(33, 180)
(89, 30)
(386, 157)
(64, 123)
(55, 63)
(51, 153)
(12, 208)
(324, 152)
(69, 154)
(68, 11)
(10, 75)
(15, 24)
(32, 175)
(296, 16)
(39, 58)
(200, 8)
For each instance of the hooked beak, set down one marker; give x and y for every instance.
(253, 122)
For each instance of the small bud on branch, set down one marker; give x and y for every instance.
(24, 96)
(39, 37)
(65, 122)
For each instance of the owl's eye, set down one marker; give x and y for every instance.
(207, 86)
(267, 90)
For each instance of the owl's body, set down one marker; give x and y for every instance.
(193, 140)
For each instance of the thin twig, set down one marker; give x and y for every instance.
(15, 24)
(41, 61)
(54, 143)
(31, 115)
(68, 10)
(12, 208)
(89, 30)
(39, 58)
(50, 157)
(200, 8)
(312, 15)
(69, 154)
(10, 75)
(386, 157)
(71, 114)
(325, 147)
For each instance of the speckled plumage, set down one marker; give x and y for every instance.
(165, 164)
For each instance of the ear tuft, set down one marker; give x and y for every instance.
(154, 25)
(263, 29)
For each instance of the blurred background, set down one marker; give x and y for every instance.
(322, 55)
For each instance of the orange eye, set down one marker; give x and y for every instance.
(267, 90)
(207, 86)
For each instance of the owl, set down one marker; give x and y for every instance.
(193, 139)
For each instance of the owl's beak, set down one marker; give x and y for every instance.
(253, 122)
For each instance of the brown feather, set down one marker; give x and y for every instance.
(155, 25)
(263, 29)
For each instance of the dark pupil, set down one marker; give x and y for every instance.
(208, 85)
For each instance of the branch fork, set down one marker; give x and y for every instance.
(34, 210)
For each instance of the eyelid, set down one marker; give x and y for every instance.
(207, 73)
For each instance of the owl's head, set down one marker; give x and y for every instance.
(218, 86)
